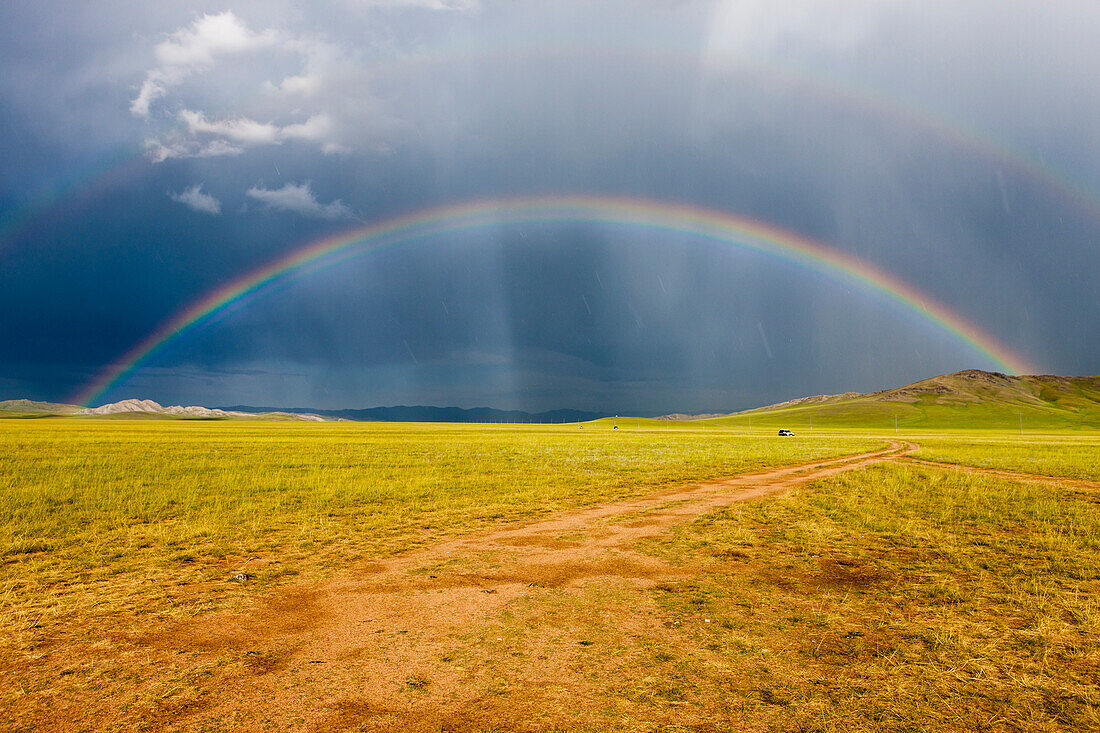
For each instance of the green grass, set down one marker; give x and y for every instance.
(893, 598)
(922, 414)
(1075, 456)
(971, 400)
(98, 512)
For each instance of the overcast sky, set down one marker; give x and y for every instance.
(153, 152)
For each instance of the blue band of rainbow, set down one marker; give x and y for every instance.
(654, 215)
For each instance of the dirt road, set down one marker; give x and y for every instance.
(452, 636)
(544, 626)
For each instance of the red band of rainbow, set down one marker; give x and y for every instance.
(654, 215)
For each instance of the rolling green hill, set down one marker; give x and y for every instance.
(33, 408)
(971, 399)
(966, 400)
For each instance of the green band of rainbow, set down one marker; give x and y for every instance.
(652, 215)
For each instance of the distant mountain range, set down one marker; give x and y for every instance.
(966, 399)
(423, 413)
(134, 408)
(143, 408)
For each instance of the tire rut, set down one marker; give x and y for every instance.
(355, 640)
(1066, 481)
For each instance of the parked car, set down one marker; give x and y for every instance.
(784, 431)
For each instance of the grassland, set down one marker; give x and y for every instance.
(893, 597)
(116, 512)
(1075, 456)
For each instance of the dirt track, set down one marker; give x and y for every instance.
(491, 630)
(1010, 475)
(418, 642)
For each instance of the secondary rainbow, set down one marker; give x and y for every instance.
(882, 103)
(647, 214)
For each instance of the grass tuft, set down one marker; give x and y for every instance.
(907, 596)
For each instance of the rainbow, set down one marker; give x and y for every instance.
(701, 223)
(124, 167)
(882, 103)
(79, 190)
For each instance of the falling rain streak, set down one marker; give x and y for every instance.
(961, 165)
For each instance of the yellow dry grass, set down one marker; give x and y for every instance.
(892, 597)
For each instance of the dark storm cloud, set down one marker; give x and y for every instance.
(879, 128)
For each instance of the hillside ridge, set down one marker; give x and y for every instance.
(968, 385)
(155, 408)
(967, 398)
(972, 398)
(141, 408)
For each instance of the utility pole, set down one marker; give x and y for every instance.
(895, 423)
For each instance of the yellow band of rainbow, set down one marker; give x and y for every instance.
(653, 215)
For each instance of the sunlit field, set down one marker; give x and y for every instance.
(897, 596)
(1048, 455)
(894, 598)
(779, 320)
(87, 508)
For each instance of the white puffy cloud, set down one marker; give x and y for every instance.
(210, 138)
(299, 84)
(159, 151)
(194, 198)
(319, 128)
(207, 37)
(151, 89)
(300, 199)
(194, 48)
(216, 148)
(239, 129)
(320, 93)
